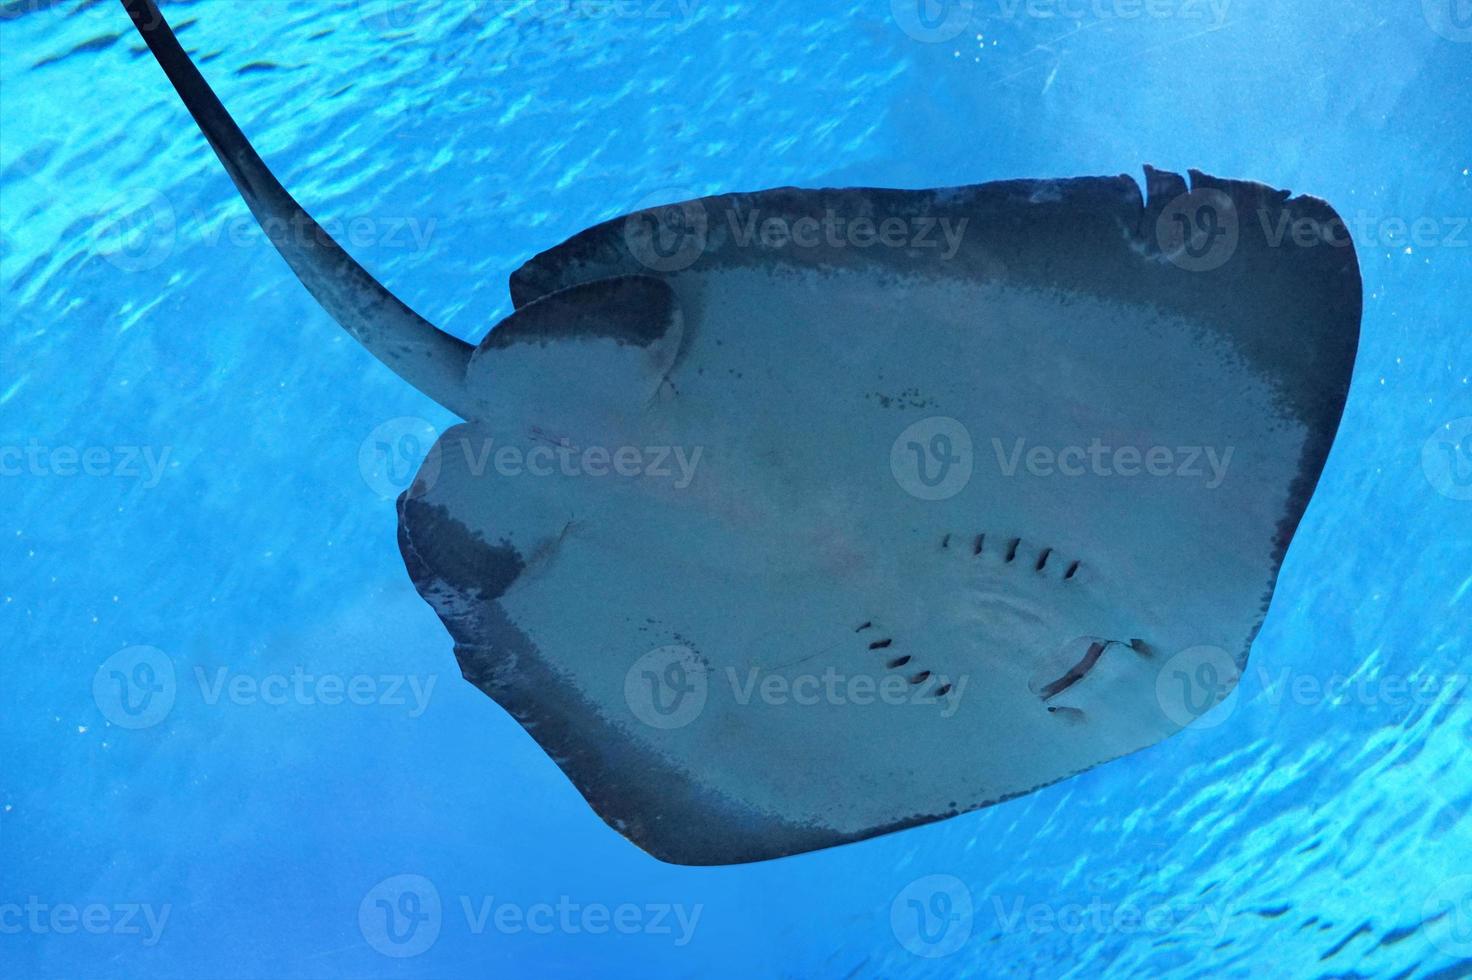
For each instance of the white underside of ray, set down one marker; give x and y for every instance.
(794, 532)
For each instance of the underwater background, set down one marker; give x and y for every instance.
(233, 740)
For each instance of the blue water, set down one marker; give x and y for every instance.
(223, 514)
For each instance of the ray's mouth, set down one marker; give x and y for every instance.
(1075, 673)
(1088, 662)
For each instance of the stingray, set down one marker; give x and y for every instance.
(936, 539)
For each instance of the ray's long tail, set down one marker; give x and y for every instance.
(426, 357)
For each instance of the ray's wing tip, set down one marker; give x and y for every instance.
(1278, 218)
(1303, 237)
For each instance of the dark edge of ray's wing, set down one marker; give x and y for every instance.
(667, 812)
(429, 359)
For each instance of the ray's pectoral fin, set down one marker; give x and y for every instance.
(581, 360)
